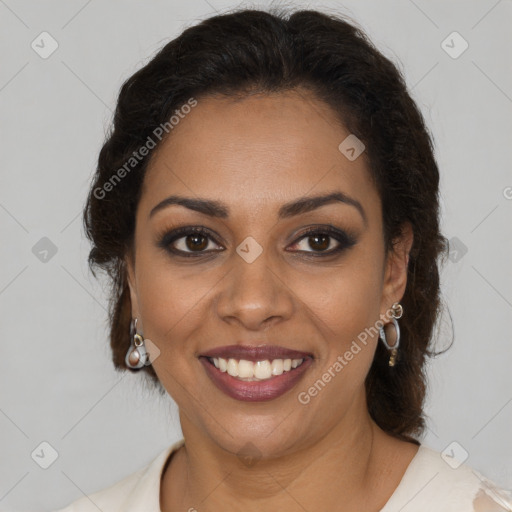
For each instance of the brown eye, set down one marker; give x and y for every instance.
(189, 241)
(321, 241)
(317, 242)
(196, 242)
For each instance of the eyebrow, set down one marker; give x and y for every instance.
(218, 209)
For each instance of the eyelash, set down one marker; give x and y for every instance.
(344, 239)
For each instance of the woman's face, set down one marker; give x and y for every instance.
(254, 279)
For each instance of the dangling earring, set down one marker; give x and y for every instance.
(396, 312)
(136, 356)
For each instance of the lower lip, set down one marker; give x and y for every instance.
(255, 391)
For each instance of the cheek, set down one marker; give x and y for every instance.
(347, 324)
(172, 309)
(345, 317)
(170, 302)
(347, 300)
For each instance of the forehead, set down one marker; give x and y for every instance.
(257, 151)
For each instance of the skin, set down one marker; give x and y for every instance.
(254, 155)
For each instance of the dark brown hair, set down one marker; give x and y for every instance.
(249, 51)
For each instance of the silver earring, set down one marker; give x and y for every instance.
(137, 356)
(396, 312)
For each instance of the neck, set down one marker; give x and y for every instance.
(334, 472)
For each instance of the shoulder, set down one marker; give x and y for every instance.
(141, 488)
(438, 481)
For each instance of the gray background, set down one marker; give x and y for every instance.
(57, 383)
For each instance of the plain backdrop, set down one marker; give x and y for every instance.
(57, 382)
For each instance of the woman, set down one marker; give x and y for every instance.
(267, 208)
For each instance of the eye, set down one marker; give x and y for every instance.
(195, 241)
(321, 240)
(187, 241)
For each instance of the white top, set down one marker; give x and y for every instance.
(429, 484)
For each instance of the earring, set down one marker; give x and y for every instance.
(396, 312)
(136, 357)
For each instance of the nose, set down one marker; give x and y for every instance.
(255, 294)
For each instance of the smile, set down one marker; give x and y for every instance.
(256, 373)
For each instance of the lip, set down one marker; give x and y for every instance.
(255, 391)
(256, 353)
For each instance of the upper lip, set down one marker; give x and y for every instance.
(255, 353)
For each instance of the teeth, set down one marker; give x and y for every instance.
(277, 366)
(259, 370)
(245, 369)
(233, 368)
(262, 370)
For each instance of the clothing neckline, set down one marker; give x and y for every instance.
(171, 451)
(407, 473)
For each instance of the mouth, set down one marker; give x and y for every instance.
(252, 372)
(255, 373)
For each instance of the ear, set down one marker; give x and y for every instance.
(130, 275)
(395, 272)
